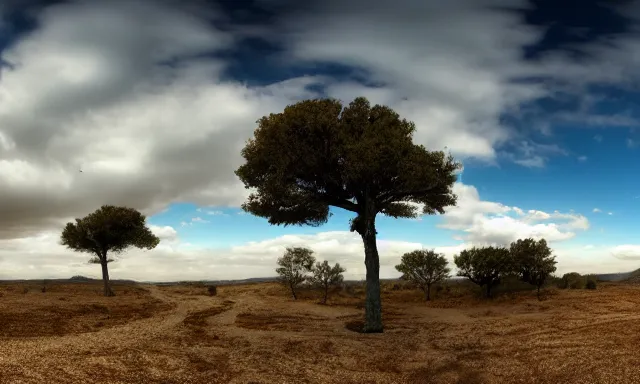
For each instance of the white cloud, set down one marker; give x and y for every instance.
(596, 210)
(143, 134)
(199, 220)
(626, 252)
(609, 213)
(452, 83)
(42, 257)
(582, 158)
(484, 222)
(212, 212)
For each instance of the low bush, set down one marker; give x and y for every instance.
(591, 284)
(573, 280)
(213, 290)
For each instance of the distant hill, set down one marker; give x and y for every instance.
(633, 277)
(613, 276)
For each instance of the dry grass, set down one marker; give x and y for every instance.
(70, 308)
(257, 334)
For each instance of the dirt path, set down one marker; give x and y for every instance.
(135, 332)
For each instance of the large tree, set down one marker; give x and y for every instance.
(532, 261)
(325, 276)
(110, 229)
(294, 267)
(318, 153)
(424, 268)
(484, 266)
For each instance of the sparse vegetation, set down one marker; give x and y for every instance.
(213, 290)
(178, 327)
(424, 268)
(326, 276)
(484, 266)
(319, 153)
(295, 265)
(109, 229)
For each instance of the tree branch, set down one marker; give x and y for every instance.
(390, 197)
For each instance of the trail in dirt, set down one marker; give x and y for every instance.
(128, 334)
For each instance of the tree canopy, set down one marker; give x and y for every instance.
(424, 268)
(533, 261)
(325, 276)
(484, 266)
(319, 153)
(110, 229)
(295, 265)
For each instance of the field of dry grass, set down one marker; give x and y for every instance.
(257, 334)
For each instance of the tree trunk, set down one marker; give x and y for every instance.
(373, 304)
(293, 292)
(105, 277)
(489, 290)
(326, 294)
(538, 292)
(427, 293)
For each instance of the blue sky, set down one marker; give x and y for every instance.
(537, 99)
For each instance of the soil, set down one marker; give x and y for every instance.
(258, 334)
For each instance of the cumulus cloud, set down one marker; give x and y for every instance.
(421, 58)
(597, 210)
(117, 90)
(485, 222)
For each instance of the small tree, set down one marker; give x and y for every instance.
(484, 266)
(319, 153)
(325, 276)
(532, 261)
(424, 268)
(294, 266)
(109, 229)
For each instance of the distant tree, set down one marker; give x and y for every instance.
(424, 268)
(484, 266)
(318, 153)
(325, 276)
(532, 261)
(295, 265)
(110, 229)
(573, 280)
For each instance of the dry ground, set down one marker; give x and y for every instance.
(257, 334)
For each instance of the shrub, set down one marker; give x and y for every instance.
(573, 280)
(591, 284)
(213, 290)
